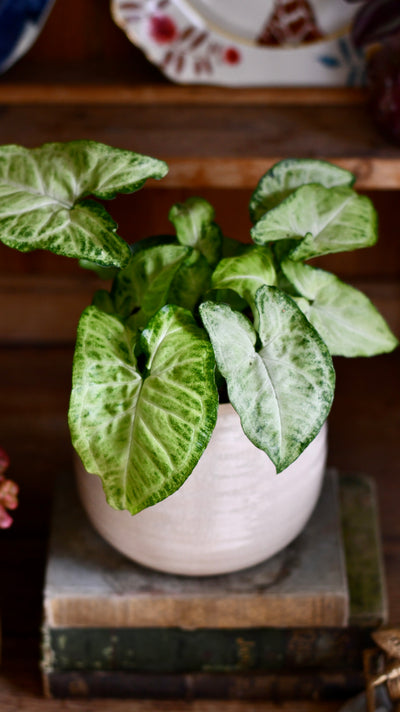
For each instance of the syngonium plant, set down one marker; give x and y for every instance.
(194, 315)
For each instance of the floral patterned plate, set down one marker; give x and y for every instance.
(245, 43)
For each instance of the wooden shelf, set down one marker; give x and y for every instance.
(209, 136)
(35, 303)
(85, 79)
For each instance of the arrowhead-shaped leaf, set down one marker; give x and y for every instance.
(42, 192)
(345, 318)
(323, 220)
(105, 273)
(102, 300)
(245, 274)
(195, 227)
(283, 387)
(142, 287)
(284, 177)
(143, 434)
(191, 281)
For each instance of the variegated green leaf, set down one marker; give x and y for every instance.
(190, 282)
(103, 301)
(232, 247)
(283, 388)
(142, 433)
(287, 175)
(142, 287)
(193, 222)
(106, 273)
(245, 274)
(323, 220)
(227, 296)
(345, 318)
(42, 192)
(152, 241)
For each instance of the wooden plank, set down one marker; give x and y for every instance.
(114, 92)
(212, 145)
(208, 131)
(372, 173)
(41, 308)
(204, 142)
(44, 309)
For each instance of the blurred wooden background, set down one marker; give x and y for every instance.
(83, 78)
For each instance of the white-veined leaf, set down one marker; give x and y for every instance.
(105, 273)
(191, 281)
(287, 175)
(103, 301)
(245, 274)
(345, 318)
(283, 388)
(142, 287)
(43, 191)
(143, 434)
(323, 220)
(194, 223)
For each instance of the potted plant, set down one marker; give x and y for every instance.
(202, 342)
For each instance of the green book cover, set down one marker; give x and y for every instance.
(208, 650)
(246, 686)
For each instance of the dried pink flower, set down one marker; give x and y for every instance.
(4, 461)
(8, 492)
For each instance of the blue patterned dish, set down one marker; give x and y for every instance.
(20, 24)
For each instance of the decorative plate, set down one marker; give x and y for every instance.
(20, 24)
(252, 43)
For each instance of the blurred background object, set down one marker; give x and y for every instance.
(376, 27)
(20, 24)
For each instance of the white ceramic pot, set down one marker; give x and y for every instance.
(233, 511)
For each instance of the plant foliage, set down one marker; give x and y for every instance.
(194, 310)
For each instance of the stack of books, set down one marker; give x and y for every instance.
(294, 626)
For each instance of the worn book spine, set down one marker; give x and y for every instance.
(363, 550)
(208, 650)
(251, 686)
